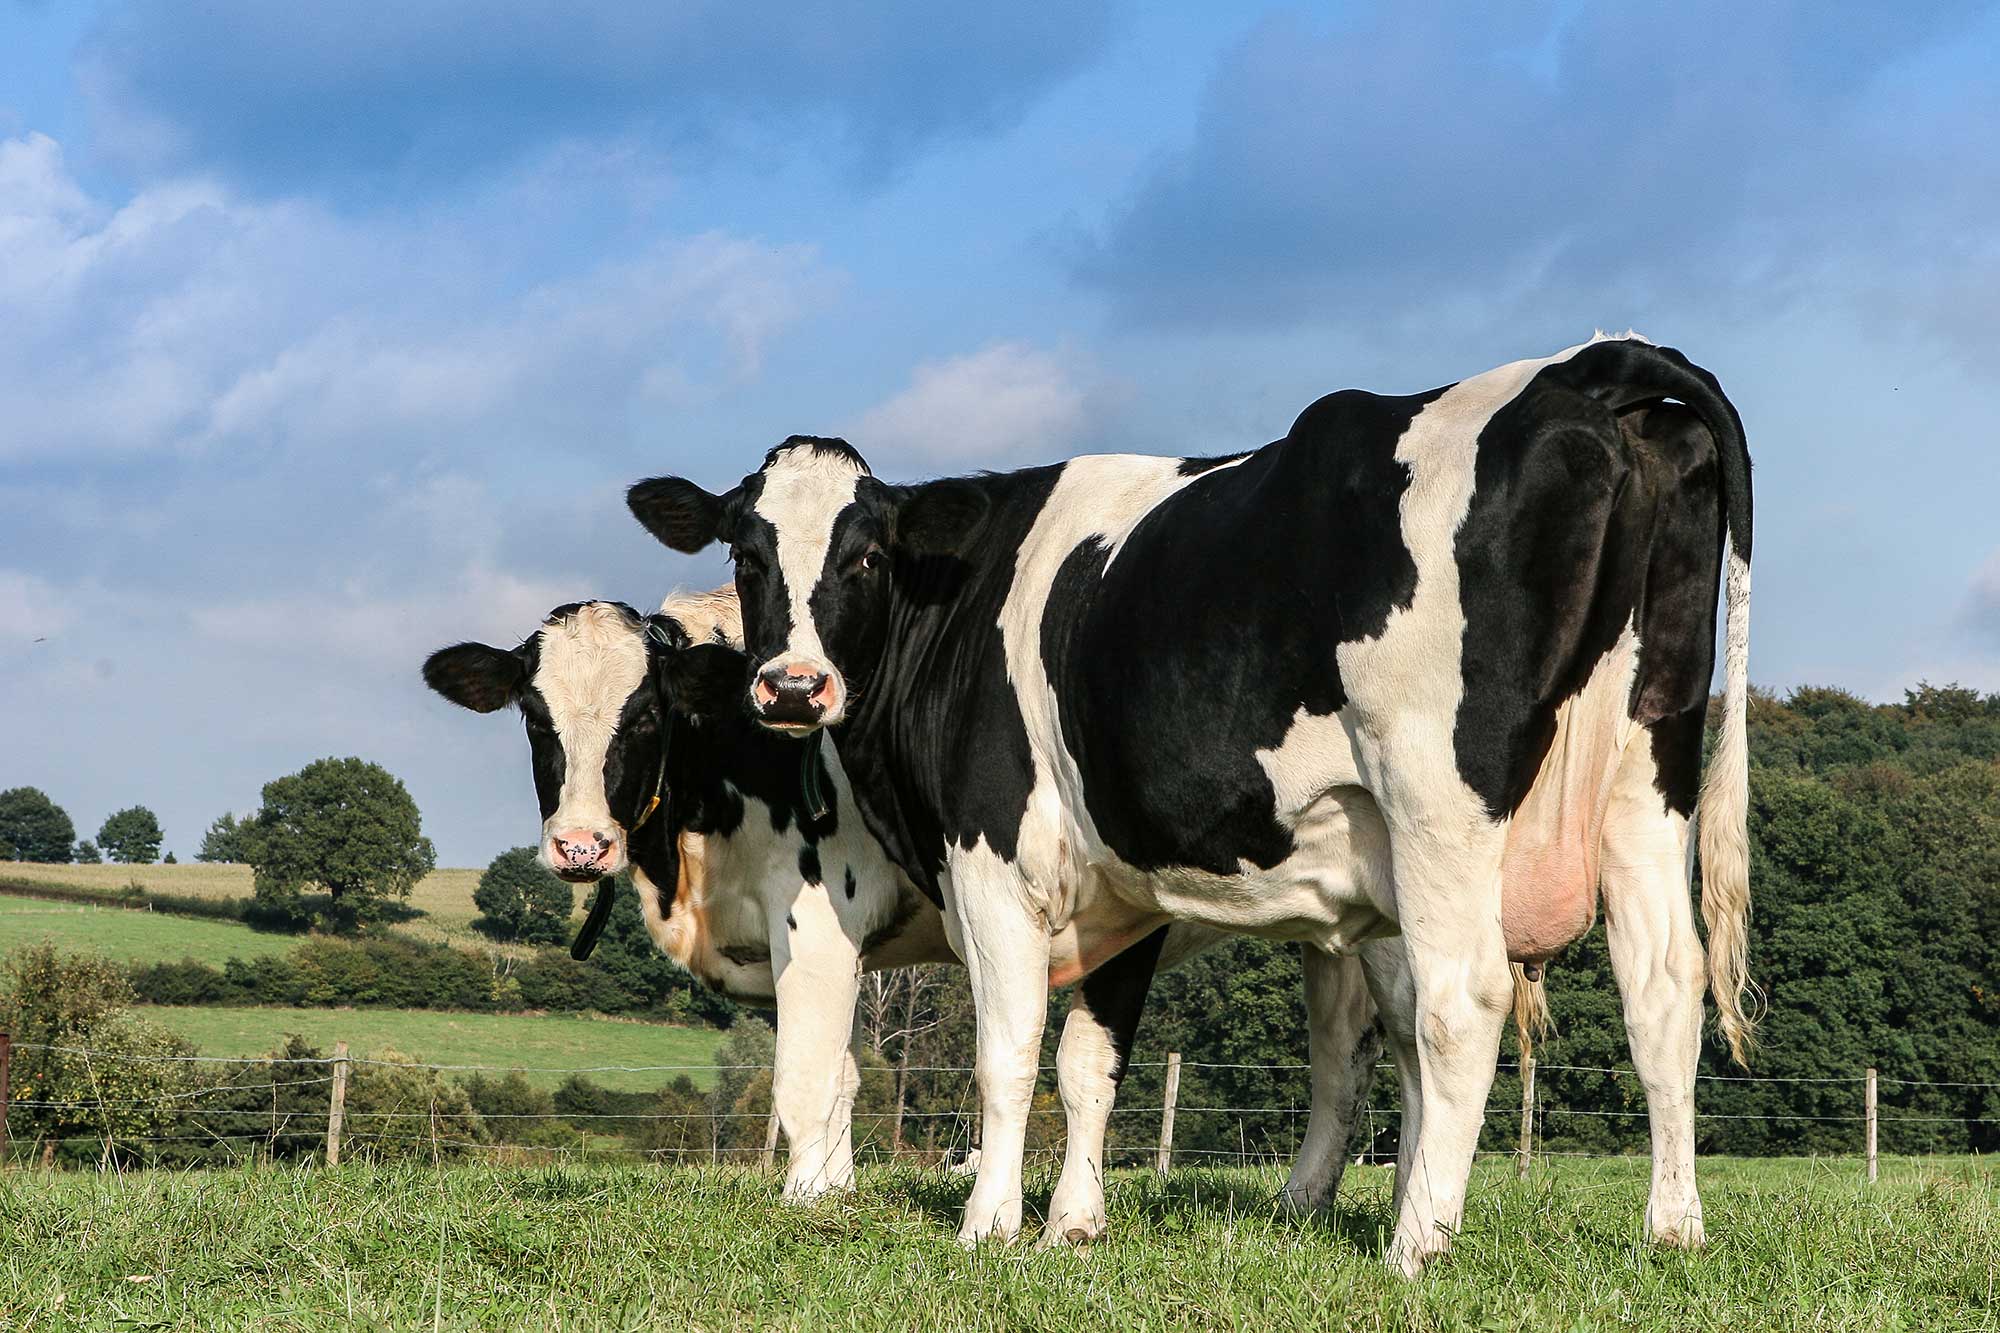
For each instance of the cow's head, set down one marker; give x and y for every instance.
(595, 685)
(815, 538)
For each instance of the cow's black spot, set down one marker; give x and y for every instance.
(1115, 995)
(809, 863)
(790, 924)
(848, 879)
(1217, 625)
(1584, 519)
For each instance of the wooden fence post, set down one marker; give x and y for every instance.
(1527, 1116)
(1167, 1111)
(1869, 1104)
(337, 1105)
(771, 1140)
(6, 1061)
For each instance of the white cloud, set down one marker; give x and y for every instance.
(31, 608)
(1003, 403)
(191, 320)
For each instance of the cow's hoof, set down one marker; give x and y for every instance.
(1071, 1233)
(1687, 1234)
(1301, 1203)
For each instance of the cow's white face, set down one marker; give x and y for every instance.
(814, 536)
(595, 716)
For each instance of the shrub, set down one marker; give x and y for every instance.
(399, 1111)
(87, 854)
(86, 1072)
(35, 827)
(519, 899)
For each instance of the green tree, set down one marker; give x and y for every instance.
(132, 836)
(225, 841)
(87, 854)
(36, 827)
(519, 899)
(344, 825)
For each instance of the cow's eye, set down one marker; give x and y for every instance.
(747, 562)
(871, 559)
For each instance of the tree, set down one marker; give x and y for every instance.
(169, 860)
(519, 899)
(38, 828)
(87, 854)
(226, 840)
(345, 825)
(132, 836)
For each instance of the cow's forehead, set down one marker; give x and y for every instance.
(590, 660)
(804, 490)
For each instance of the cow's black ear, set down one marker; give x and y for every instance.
(678, 512)
(937, 517)
(705, 681)
(474, 676)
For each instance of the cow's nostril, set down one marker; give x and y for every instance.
(822, 691)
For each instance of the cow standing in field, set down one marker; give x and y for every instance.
(1467, 634)
(754, 875)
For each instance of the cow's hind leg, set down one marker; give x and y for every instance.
(1345, 1043)
(1657, 959)
(1006, 951)
(1090, 1064)
(1448, 901)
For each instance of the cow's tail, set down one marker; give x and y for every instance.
(1532, 1020)
(1722, 822)
(1626, 371)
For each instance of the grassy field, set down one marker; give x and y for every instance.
(1795, 1246)
(443, 896)
(506, 1040)
(127, 936)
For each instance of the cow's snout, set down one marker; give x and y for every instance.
(796, 695)
(582, 854)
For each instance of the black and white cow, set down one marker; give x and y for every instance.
(1468, 633)
(750, 889)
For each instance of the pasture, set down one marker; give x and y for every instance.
(1796, 1245)
(443, 897)
(127, 936)
(448, 1038)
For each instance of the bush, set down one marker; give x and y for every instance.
(515, 1111)
(88, 855)
(35, 827)
(132, 836)
(86, 1071)
(399, 1111)
(345, 825)
(519, 899)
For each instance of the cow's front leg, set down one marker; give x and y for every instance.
(817, 970)
(1090, 1064)
(1006, 949)
(1345, 1043)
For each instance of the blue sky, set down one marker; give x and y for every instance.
(326, 341)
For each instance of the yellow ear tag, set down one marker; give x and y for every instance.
(651, 806)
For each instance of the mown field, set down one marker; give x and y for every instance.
(503, 1040)
(1796, 1245)
(128, 936)
(443, 896)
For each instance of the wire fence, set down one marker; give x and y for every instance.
(135, 1108)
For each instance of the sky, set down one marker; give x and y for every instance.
(329, 339)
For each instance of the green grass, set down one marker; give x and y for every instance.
(128, 936)
(1795, 1246)
(506, 1040)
